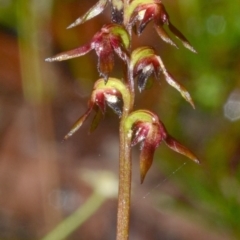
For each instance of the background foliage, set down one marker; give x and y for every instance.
(42, 180)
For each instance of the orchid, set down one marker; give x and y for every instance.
(155, 10)
(144, 62)
(111, 38)
(145, 128)
(111, 94)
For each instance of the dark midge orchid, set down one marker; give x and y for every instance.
(140, 126)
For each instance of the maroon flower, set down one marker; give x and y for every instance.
(144, 62)
(111, 38)
(145, 128)
(101, 97)
(144, 13)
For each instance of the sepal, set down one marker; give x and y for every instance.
(178, 147)
(91, 13)
(98, 8)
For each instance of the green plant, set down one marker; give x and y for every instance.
(136, 126)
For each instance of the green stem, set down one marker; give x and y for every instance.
(125, 161)
(124, 191)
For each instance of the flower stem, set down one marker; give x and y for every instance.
(124, 192)
(125, 161)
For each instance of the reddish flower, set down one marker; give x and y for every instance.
(149, 131)
(155, 10)
(111, 38)
(103, 95)
(144, 62)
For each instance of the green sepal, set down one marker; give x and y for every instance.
(139, 115)
(119, 30)
(139, 53)
(117, 84)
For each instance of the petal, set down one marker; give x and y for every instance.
(178, 147)
(180, 36)
(77, 52)
(78, 123)
(96, 120)
(91, 13)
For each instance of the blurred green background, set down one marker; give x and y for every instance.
(44, 181)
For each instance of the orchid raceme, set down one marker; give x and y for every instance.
(136, 127)
(144, 62)
(144, 127)
(111, 38)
